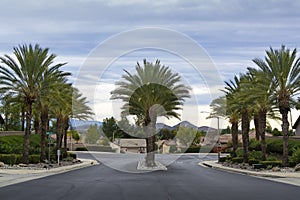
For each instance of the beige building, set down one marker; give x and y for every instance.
(296, 126)
(132, 145)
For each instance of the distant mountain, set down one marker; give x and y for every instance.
(185, 124)
(162, 125)
(82, 126)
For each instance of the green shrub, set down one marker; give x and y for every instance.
(268, 164)
(34, 159)
(11, 159)
(100, 148)
(193, 150)
(295, 158)
(72, 155)
(255, 155)
(81, 149)
(237, 160)
(253, 161)
(222, 159)
(14, 144)
(275, 146)
(254, 145)
(272, 157)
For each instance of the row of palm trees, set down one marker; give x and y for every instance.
(32, 80)
(261, 93)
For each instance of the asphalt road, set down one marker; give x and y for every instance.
(184, 179)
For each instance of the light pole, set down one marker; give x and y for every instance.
(218, 142)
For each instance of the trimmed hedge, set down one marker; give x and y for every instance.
(81, 149)
(14, 159)
(237, 160)
(193, 150)
(268, 163)
(14, 144)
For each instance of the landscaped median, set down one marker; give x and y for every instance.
(59, 169)
(262, 173)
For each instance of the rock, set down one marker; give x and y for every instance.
(2, 164)
(297, 168)
(276, 169)
(22, 165)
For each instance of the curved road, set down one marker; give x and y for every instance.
(184, 179)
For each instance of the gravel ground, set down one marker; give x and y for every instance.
(250, 168)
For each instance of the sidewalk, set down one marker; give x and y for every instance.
(284, 177)
(13, 176)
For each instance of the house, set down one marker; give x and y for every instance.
(132, 145)
(296, 126)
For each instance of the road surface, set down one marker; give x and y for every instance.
(184, 179)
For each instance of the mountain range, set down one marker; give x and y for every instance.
(84, 125)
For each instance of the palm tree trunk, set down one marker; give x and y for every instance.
(256, 124)
(44, 124)
(27, 132)
(245, 134)
(23, 118)
(66, 127)
(262, 132)
(59, 131)
(285, 131)
(150, 140)
(235, 140)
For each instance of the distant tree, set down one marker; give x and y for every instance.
(111, 129)
(227, 130)
(166, 134)
(75, 136)
(186, 135)
(92, 134)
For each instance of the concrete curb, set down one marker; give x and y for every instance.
(11, 176)
(215, 165)
(84, 163)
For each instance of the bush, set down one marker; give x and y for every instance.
(81, 149)
(193, 150)
(223, 159)
(275, 146)
(14, 144)
(237, 160)
(71, 155)
(295, 158)
(268, 164)
(34, 159)
(254, 145)
(11, 159)
(255, 155)
(253, 161)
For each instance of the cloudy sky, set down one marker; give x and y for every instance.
(85, 33)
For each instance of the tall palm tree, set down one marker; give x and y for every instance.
(54, 82)
(238, 103)
(259, 92)
(23, 77)
(220, 108)
(153, 91)
(283, 68)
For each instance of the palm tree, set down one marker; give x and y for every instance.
(238, 103)
(54, 82)
(220, 108)
(259, 92)
(71, 105)
(153, 91)
(23, 77)
(283, 68)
